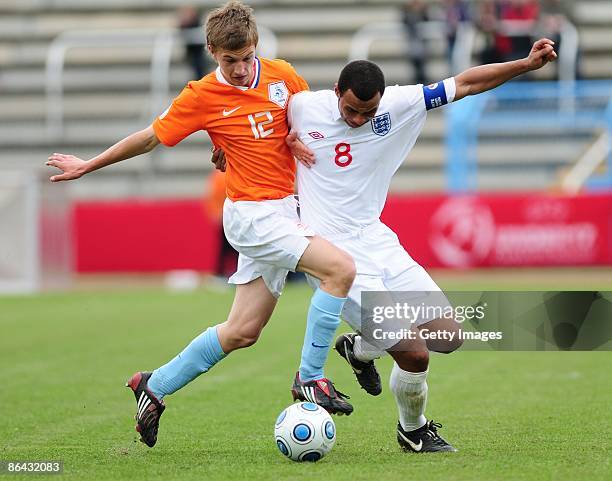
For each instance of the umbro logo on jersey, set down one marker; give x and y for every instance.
(230, 112)
(316, 135)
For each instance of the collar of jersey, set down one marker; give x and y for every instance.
(333, 103)
(254, 84)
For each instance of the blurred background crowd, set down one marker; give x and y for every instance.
(507, 26)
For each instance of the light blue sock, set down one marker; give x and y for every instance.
(198, 357)
(323, 320)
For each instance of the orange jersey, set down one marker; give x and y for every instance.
(249, 124)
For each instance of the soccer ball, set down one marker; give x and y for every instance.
(305, 432)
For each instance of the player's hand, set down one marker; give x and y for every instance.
(543, 51)
(218, 158)
(72, 167)
(299, 150)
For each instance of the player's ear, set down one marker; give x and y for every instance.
(336, 90)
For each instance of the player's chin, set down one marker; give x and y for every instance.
(354, 125)
(241, 81)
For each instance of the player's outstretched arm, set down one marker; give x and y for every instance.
(72, 167)
(486, 77)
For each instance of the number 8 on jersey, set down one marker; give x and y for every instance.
(343, 154)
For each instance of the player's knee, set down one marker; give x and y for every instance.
(343, 271)
(242, 340)
(243, 336)
(413, 361)
(419, 359)
(249, 336)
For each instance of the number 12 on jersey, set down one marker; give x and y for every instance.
(258, 126)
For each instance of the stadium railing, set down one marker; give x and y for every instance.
(523, 107)
(161, 43)
(575, 179)
(362, 40)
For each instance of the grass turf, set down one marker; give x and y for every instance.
(64, 359)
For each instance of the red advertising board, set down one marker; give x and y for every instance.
(438, 231)
(504, 229)
(144, 236)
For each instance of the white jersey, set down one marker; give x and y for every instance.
(347, 187)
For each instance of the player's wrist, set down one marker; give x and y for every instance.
(86, 167)
(526, 65)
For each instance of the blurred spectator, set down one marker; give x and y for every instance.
(414, 13)
(518, 20)
(456, 12)
(508, 26)
(190, 25)
(488, 19)
(214, 201)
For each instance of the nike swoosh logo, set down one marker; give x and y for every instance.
(230, 112)
(355, 370)
(315, 345)
(416, 447)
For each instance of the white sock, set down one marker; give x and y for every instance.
(364, 351)
(410, 391)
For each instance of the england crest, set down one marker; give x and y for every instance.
(381, 124)
(278, 93)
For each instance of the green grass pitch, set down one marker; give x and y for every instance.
(64, 359)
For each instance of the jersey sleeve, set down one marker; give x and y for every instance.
(301, 84)
(181, 119)
(295, 109)
(415, 100)
(295, 81)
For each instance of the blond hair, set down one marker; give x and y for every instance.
(231, 27)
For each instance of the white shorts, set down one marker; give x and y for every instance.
(382, 265)
(269, 238)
